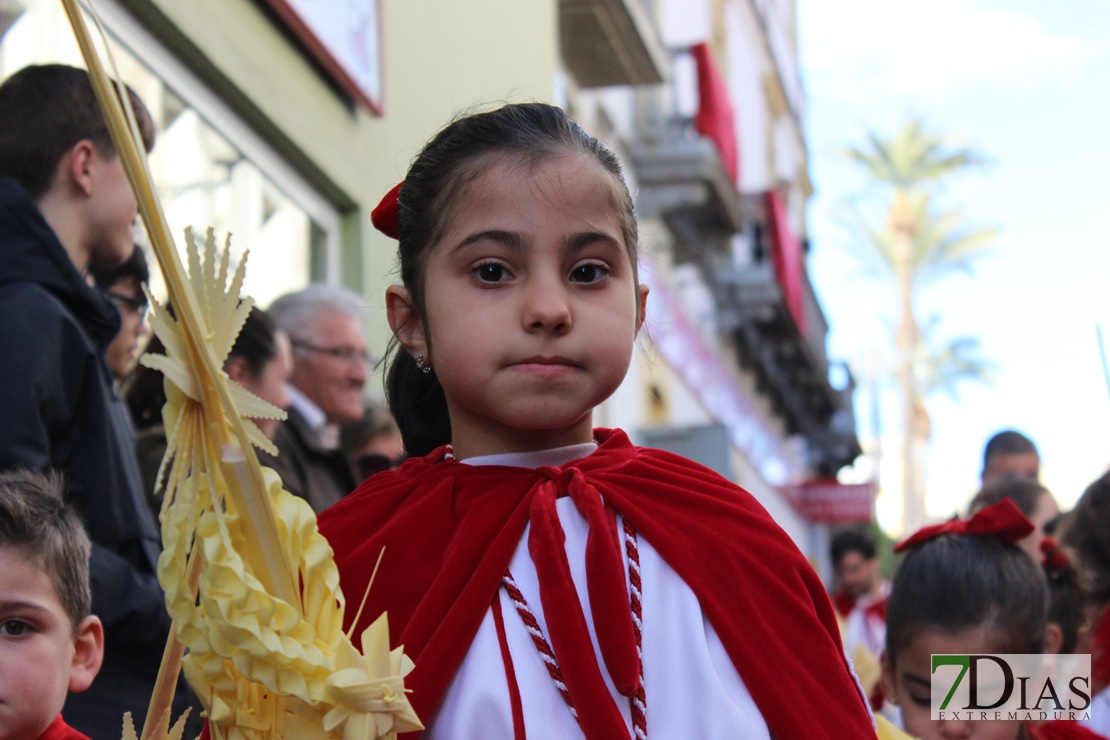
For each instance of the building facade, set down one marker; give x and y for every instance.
(284, 124)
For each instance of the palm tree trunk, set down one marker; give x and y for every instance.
(913, 508)
(912, 505)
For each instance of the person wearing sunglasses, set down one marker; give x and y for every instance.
(373, 442)
(123, 283)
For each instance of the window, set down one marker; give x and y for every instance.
(209, 168)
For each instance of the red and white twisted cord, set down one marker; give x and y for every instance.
(638, 701)
(538, 638)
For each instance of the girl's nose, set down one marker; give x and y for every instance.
(547, 307)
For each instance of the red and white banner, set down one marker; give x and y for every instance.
(832, 502)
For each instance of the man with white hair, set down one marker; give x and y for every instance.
(330, 368)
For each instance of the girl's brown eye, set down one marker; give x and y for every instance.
(490, 273)
(589, 273)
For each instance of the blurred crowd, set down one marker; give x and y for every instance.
(1013, 575)
(82, 618)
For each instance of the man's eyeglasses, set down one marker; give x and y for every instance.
(346, 354)
(136, 304)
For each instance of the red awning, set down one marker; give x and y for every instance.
(715, 118)
(786, 254)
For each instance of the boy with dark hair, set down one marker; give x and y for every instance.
(1010, 453)
(861, 601)
(49, 641)
(123, 283)
(856, 565)
(66, 204)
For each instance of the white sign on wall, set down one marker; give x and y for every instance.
(344, 36)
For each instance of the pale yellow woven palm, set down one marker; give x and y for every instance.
(250, 583)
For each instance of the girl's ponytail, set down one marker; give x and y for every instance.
(417, 403)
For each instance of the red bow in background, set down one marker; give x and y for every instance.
(1054, 558)
(1003, 520)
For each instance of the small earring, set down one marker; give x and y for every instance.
(419, 358)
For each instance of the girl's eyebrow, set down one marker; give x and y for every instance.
(579, 241)
(516, 242)
(510, 239)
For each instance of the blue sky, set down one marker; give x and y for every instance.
(1027, 83)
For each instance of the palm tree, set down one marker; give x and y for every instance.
(941, 370)
(915, 243)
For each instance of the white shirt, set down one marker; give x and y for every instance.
(866, 630)
(314, 416)
(691, 687)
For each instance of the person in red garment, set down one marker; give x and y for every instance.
(550, 579)
(49, 642)
(1000, 607)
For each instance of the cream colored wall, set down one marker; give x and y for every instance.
(441, 58)
(438, 58)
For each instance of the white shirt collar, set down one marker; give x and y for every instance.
(314, 416)
(537, 458)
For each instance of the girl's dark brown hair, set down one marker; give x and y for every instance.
(956, 582)
(1025, 493)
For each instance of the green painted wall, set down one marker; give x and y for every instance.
(440, 57)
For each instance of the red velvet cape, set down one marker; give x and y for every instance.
(450, 531)
(59, 730)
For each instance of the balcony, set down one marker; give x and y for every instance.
(786, 352)
(681, 179)
(611, 42)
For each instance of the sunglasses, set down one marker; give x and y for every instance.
(137, 305)
(376, 463)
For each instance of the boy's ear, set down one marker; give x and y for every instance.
(88, 653)
(78, 166)
(404, 320)
(642, 313)
(886, 678)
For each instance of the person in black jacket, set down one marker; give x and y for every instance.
(66, 204)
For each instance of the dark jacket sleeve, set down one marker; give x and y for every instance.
(51, 405)
(35, 372)
(130, 604)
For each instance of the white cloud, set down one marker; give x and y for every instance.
(860, 49)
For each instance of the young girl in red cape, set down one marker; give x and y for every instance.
(550, 579)
(966, 587)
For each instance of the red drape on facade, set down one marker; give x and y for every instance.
(786, 254)
(715, 118)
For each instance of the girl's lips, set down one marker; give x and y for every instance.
(546, 367)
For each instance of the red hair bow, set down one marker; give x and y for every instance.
(1054, 558)
(385, 217)
(1003, 520)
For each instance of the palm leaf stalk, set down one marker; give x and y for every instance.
(250, 583)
